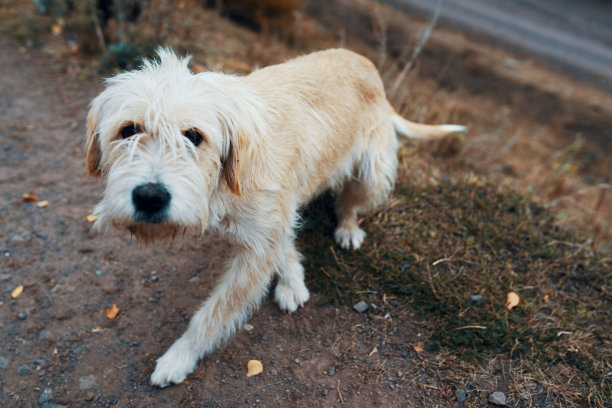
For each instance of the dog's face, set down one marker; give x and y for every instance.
(158, 137)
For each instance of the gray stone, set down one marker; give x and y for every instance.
(21, 316)
(360, 307)
(24, 370)
(46, 396)
(498, 398)
(45, 335)
(5, 277)
(3, 363)
(460, 395)
(476, 298)
(87, 382)
(331, 371)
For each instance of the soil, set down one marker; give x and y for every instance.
(58, 346)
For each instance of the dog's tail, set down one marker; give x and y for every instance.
(423, 132)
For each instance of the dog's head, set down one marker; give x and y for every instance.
(165, 140)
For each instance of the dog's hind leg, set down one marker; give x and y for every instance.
(291, 291)
(372, 181)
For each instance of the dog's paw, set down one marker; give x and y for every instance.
(175, 365)
(349, 238)
(289, 298)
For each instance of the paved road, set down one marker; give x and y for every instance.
(573, 34)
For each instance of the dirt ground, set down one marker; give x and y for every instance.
(59, 348)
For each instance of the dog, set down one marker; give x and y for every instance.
(185, 153)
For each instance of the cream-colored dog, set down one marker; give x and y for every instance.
(183, 152)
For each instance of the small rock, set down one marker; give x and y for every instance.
(89, 396)
(86, 382)
(40, 362)
(21, 316)
(274, 372)
(46, 395)
(476, 298)
(135, 344)
(498, 398)
(248, 327)
(45, 335)
(98, 272)
(265, 337)
(394, 303)
(5, 277)
(360, 307)
(460, 395)
(331, 371)
(24, 370)
(3, 364)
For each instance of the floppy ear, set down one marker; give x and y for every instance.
(231, 166)
(94, 150)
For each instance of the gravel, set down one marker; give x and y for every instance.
(498, 398)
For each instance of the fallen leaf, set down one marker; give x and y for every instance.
(254, 367)
(419, 347)
(96, 330)
(29, 197)
(92, 218)
(112, 311)
(546, 298)
(42, 204)
(512, 301)
(17, 291)
(374, 350)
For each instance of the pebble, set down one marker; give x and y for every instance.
(5, 277)
(86, 382)
(21, 316)
(265, 337)
(45, 335)
(498, 398)
(360, 307)
(476, 298)
(331, 371)
(3, 363)
(24, 370)
(460, 395)
(46, 395)
(394, 303)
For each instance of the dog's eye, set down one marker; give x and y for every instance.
(194, 136)
(130, 130)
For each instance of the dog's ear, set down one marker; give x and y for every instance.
(94, 150)
(231, 167)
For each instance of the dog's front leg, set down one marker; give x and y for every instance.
(240, 290)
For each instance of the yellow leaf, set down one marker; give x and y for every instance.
(92, 218)
(254, 367)
(18, 290)
(112, 311)
(512, 300)
(29, 197)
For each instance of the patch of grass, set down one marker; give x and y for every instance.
(453, 252)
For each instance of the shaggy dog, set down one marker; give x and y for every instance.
(240, 155)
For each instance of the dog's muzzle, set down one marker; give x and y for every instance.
(151, 200)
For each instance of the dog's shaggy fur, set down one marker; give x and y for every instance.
(240, 155)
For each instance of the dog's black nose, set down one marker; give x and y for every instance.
(150, 200)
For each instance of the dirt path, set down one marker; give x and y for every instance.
(59, 348)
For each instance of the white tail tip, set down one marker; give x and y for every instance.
(453, 128)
